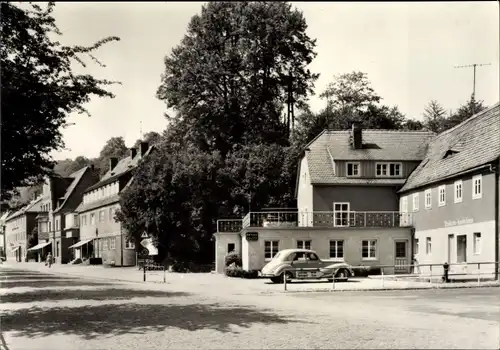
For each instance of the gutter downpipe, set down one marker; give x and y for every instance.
(495, 169)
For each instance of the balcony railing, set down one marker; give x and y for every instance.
(229, 225)
(328, 219)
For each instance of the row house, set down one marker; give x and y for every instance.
(19, 227)
(453, 196)
(347, 203)
(101, 235)
(57, 228)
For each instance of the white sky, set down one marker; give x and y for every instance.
(408, 50)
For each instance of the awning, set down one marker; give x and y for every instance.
(15, 249)
(40, 246)
(79, 244)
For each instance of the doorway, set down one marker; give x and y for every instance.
(450, 248)
(462, 249)
(401, 257)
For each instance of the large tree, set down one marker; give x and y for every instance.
(434, 116)
(463, 113)
(229, 78)
(39, 90)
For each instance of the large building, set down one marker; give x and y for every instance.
(57, 226)
(348, 204)
(453, 196)
(101, 236)
(19, 227)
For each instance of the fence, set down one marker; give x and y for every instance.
(436, 272)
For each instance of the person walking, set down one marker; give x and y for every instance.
(49, 259)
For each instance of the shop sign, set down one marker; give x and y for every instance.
(460, 222)
(252, 236)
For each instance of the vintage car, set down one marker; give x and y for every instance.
(304, 264)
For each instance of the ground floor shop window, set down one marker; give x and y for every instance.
(369, 249)
(462, 249)
(477, 242)
(337, 249)
(112, 243)
(303, 244)
(271, 248)
(428, 246)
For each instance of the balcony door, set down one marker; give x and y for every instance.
(341, 214)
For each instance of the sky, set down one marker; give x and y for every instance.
(408, 50)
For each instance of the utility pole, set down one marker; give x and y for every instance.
(474, 81)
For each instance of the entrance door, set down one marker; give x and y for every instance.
(462, 249)
(401, 257)
(450, 249)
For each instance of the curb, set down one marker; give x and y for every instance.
(384, 289)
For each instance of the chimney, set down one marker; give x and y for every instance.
(133, 152)
(112, 162)
(357, 136)
(143, 148)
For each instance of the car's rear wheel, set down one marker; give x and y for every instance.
(279, 279)
(342, 274)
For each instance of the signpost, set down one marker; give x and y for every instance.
(149, 250)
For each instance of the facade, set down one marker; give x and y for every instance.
(3, 217)
(101, 236)
(19, 227)
(57, 228)
(453, 197)
(347, 203)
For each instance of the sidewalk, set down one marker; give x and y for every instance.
(215, 283)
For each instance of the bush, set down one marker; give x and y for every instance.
(237, 271)
(185, 267)
(233, 258)
(365, 271)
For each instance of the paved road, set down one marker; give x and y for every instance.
(42, 311)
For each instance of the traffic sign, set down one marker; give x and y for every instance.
(144, 235)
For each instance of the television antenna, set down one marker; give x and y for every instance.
(474, 81)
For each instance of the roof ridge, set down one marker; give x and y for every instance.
(387, 130)
(473, 117)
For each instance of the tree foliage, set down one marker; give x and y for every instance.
(228, 78)
(463, 113)
(39, 90)
(434, 116)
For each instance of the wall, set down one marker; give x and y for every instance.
(222, 240)
(105, 228)
(305, 190)
(478, 210)
(16, 234)
(361, 198)
(368, 168)
(253, 251)
(439, 247)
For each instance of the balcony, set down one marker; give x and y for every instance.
(374, 219)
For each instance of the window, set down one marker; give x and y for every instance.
(337, 249)
(75, 220)
(270, 249)
(415, 247)
(352, 169)
(101, 216)
(84, 220)
(112, 243)
(442, 195)
(230, 247)
(477, 187)
(416, 201)
(111, 214)
(92, 218)
(129, 244)
(477, 242)
(105, 244)
(428, 245)
(369, 249)
(461, 249)
(57, 248)
(428, 199)
(404, 204)
(341, 214)
(458, 191)
(303, 244)
(388, 169)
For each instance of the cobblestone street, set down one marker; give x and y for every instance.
(42, 311)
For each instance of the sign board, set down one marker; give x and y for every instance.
(144, 235)
(465, 221)
(148, 244)
(252, 236)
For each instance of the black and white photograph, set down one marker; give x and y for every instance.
(249, 175)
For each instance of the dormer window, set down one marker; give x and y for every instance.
(388, 169)
(353, 169)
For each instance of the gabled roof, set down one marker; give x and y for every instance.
(76, 176)
(470, 144)
(378, 145)
(33, 207)
(123, 167)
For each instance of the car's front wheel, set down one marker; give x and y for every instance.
(342, 274)
(279, 279)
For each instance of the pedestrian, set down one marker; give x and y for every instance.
(49, 259)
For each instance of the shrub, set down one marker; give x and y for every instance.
(234, 271)
(365, 271)
(233, 258)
